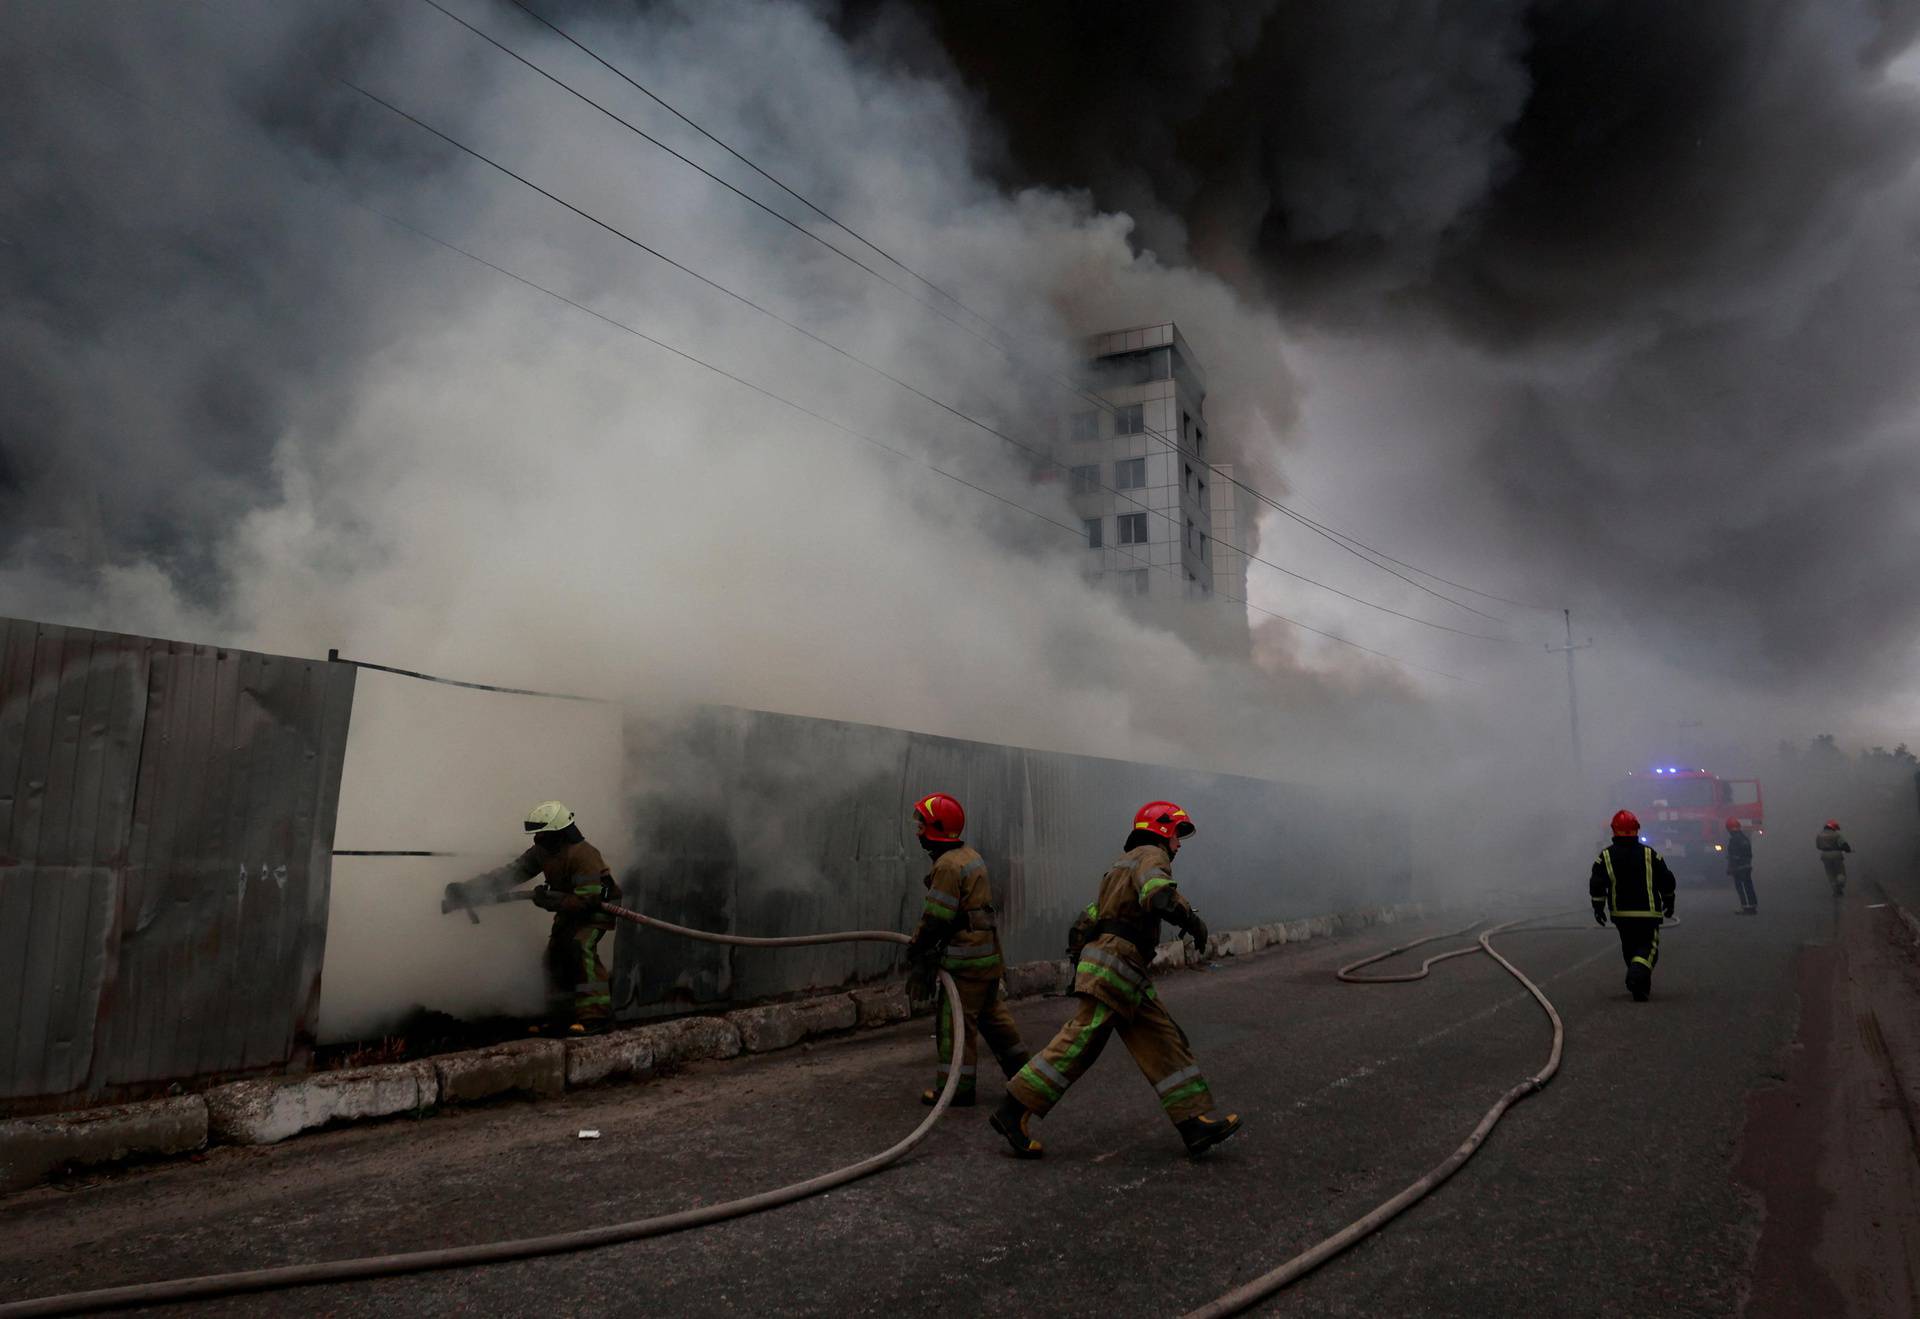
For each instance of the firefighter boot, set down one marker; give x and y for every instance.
(1639, 982)
(1010, 1120)
(1203, 1133)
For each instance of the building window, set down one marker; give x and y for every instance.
(1192, 535)
(1137, 579)
(1086, 479)
(1203, 494)
(1186, 476)
(1154, 364)
(1129, 473)
(1093, 532)
(1199, 444)
(1133, 528)
(1084, 425)
(1186, 426)
(1130, 420)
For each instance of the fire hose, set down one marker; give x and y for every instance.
(1233, 1302)
(208, 1286)
(1251, 1293)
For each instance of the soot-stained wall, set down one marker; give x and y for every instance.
(757, 823)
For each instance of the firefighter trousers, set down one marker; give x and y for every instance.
(1743, 886)
(983, 1009)
(1836, 868)
(577, 980)
(1154, 1039)
(1639, 946)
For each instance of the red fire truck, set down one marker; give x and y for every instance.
(1684, 811)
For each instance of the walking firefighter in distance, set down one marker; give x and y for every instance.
(1632, 884)
(1740, 866)
(1833, 848)
(577, 883)
(1112, 945)
(958, 934)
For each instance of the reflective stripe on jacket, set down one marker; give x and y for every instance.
(1133, 893)
(958, 912)
(1631, 879)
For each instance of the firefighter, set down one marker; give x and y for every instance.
(1633, 885)
(577, 883)
(1740, 866)
(1112, 945)
(957, 932)
(1833, 849)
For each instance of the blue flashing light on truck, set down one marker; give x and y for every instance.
(1683, 814)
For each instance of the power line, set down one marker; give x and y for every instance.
(811, 205)
(864, 364)
(1411, 567)
(695, 165)
(1356, 547)
(1077, 533)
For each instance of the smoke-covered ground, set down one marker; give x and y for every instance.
(1582, 305)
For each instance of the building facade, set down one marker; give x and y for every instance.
(1152, 505)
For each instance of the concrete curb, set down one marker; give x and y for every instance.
(267, 1111)
(532, 1067)
(1912, 921)
(34, 1148)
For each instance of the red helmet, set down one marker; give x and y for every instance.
(1626, 824)
(940, 818)
(1733, 825)
(1833, 824)
(1163, 818)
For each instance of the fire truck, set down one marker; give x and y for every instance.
(1683, 814)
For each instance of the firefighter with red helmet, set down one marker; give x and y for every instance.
(1833, 855)
(957, 932)
(1632, 884)
(1112, 945)
(1740, 866)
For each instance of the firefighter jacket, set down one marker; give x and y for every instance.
(1119, 930)
(1831, 845)
(1630, 879)
(1739, 851)
(958, 917)
(575, 870)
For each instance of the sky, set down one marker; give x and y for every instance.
(1583, 306)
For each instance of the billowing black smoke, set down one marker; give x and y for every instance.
(1679, 239)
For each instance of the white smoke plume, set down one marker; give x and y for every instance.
(242, 399)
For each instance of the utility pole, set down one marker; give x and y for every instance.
(1573, 703)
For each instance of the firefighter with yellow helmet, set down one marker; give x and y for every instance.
(1112, 945)
(957, 933)
(577, 883)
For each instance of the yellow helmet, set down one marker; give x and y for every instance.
(548, 816)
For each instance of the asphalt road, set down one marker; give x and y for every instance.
(1613, 1192)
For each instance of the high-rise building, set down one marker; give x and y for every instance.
(1152, 505)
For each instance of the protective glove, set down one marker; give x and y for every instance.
(454, 897)
(1599, 914)
(1667, 911)
(923, 965)
(1198, 929)
(1077, 937)
(547, 900)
